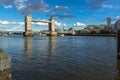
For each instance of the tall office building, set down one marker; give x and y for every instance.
(109, 23)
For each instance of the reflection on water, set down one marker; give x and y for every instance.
(28, 46)
(62, 58)
(6, 75)
(52, 44)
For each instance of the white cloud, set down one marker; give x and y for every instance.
(21, 23)
(79, 24)
(60, 24)
(59, 8)
(111, 6)
(19, 4)
(11, 26)
(27, 6)
(117, 17)
(57, 24)
(4, 22)
(64, 24)
(9, 6)
(107, 6)
(10, 23)
(40, 24)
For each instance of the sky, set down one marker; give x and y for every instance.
(67, 13)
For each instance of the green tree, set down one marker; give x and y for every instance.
(93, 32)
(70, 29)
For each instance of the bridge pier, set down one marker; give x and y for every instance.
(28, 26)
(52, 27)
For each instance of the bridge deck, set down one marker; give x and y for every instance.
(41, 21)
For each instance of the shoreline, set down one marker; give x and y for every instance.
(107, 35)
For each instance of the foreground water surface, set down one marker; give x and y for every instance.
(62, 58)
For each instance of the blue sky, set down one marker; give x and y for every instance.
(68, 13)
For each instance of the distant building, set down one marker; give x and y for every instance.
(102, 27)
(93, 28)
(108, 23)
(110, 26)
(90, 27)
(84, 31)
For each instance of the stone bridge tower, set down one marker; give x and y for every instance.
(28, 26)
(52, 27)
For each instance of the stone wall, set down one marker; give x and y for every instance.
(5, 66)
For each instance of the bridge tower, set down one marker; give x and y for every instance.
(28, 26)
(52, 27)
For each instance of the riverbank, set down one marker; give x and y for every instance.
(110, 35)
(88, 34)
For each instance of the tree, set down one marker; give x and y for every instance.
(93, 32)
(70, 29)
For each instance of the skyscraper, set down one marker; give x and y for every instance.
(109, 23)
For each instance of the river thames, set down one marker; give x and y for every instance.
(62, 58)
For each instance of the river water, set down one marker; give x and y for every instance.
(62, 58)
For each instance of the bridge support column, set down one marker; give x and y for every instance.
(52, 27)
(118, 43)
(28, 26)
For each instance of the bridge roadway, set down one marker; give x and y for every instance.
(41, 21)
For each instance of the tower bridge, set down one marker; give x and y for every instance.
(28, 26)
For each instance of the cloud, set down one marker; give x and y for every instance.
(63, 16)
(27, 6)
(4, 22)
(79, 24)
(60, 24)
(9, 6)
(111, 6)
(11, 26)
(107, 6)
(96, 4)
(19, 4)
(20, 23)
(59, 8)
(40, 23)
(117, 17)
(10, 23)
(6, 2)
